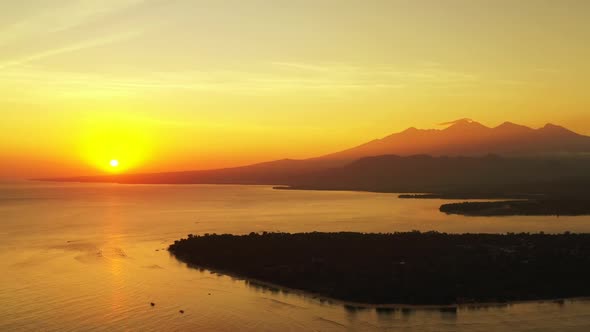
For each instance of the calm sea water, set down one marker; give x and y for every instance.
(92, 257)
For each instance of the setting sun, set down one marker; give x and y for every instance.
(105, 139)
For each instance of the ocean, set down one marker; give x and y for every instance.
(92, 257)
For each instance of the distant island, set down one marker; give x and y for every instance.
(403, 268)
(473, 195)
(546, 207)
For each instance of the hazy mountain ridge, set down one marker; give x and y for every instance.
(490, 174)
(272, 172)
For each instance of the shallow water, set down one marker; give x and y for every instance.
(92, 257)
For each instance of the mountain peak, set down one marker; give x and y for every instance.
(551, 128)
(410, 130)
(508, 124)
(459, 121)
(512, 127)
(463, 124)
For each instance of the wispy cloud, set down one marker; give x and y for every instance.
(330, 67)
(59, 16)
(274, 78)
(386, 76)
(69, 48)
(70, 84)
(58, 27)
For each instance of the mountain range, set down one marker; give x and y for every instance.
(466, 137)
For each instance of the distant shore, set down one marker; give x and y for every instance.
(503, 204)
(257, 283)
(415, 195)
(401, 269)
(546, 207)
(470, 196)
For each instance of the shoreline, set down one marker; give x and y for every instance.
(317, 297)
(557, 207)
(411, 195)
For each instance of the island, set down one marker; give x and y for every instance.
(546, 207)
(475, 195)
(418, 268)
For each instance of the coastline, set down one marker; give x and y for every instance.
(423, 195)
(570, 207)
(318, 297)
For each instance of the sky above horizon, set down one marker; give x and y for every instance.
(179, 85)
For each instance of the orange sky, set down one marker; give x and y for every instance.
(162, 85)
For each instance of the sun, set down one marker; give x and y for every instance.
(114, 163)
